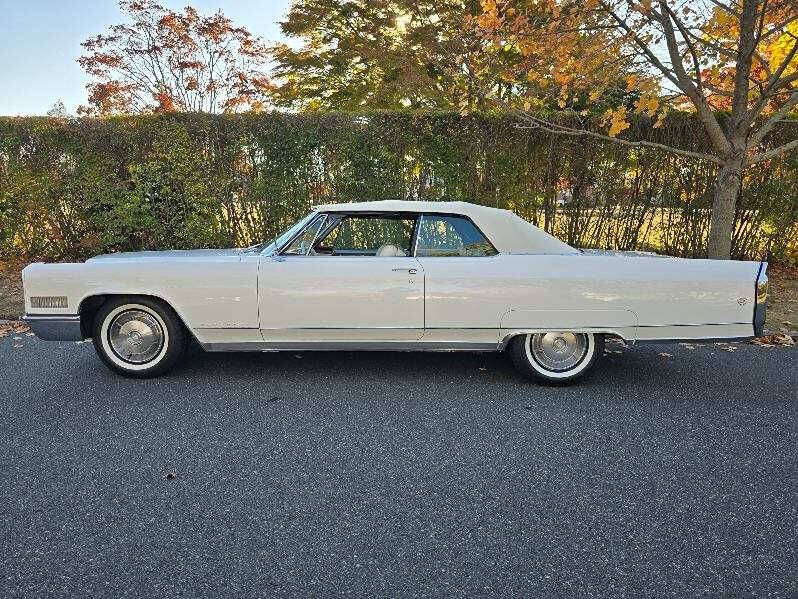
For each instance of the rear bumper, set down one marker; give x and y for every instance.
(55, 327)
(761, 298)
(759, 319)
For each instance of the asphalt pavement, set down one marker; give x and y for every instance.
(669, 472)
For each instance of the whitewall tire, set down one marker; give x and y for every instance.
(557, 357)
(138, 336)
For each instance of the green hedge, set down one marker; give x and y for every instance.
(73, 188)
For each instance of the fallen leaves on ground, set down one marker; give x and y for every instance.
(7, 328)
(775, 339)
(665, 355)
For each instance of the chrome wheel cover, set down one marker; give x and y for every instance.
(135, 336)
(558, 352)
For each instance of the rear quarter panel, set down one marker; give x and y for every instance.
(612, 292)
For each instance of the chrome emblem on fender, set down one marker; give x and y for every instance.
(48, 301)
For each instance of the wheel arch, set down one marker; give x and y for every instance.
(524, 321)
(508, 336)
(90, 304)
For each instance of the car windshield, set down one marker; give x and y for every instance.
(269, 247)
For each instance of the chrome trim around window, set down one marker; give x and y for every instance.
(417, 234)
(55, 327)
(312, 218)
(330, 220)
(421, 216)
(324, 218)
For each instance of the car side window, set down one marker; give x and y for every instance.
(440, 235)
(302, 243)
(367, 235)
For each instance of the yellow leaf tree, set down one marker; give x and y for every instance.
(734, 63)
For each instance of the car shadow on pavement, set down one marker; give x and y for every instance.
(390, 366)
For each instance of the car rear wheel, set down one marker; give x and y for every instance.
(138, 337)
(557, 357)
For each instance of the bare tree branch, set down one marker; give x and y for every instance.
(761, 157)
(742, 72)
(725, 7)
(686, 36)
(548, 126)
(774, 78)
(714, 130)
(756, 138)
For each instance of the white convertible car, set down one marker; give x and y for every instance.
(393, 275)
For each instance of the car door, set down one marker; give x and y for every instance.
(464, 299)
(345, 278)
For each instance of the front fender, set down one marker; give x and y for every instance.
(206, 294)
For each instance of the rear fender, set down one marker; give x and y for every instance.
(515, 321)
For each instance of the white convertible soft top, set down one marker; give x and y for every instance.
(509, 233)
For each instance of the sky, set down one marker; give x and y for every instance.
(40, 42)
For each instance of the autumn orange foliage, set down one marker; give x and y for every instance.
(575, 48)
(165, 61)
(739, 56)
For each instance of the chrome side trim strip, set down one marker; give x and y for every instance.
(348, 345)
(323, 328)
(695, 340)
(698, 324)
(55, 327)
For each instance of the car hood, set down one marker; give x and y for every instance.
(168, 255)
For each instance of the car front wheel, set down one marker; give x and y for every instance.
(556, 357)
(138, 337)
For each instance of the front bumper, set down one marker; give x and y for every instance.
(55, 327)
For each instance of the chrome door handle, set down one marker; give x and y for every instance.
(412, 271)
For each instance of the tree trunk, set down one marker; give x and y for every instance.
(721, 226)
